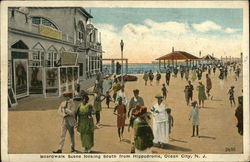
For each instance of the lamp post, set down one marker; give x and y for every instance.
(122, 44)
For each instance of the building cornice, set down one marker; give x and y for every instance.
(30, 34)
(34, 35)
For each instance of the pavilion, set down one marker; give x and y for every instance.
(175, 56)
(209, 58)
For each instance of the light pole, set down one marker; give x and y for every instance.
(122, 44)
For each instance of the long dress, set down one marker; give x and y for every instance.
(160, 123)
(193, 76)
(143, 137)
(85, 126)
(201, 92)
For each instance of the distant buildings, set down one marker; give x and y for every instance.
(51, 49)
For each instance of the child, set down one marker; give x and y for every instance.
(108, 98)
(164, 91)
(170, 120)
(194, 116)
(121, 116)
(231, 95)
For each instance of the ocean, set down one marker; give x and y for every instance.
(139, 68)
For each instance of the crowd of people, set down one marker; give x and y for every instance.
(142, 135)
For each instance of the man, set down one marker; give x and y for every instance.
(239, 115)
(106, 85)
(158, 78)
(121, 94)
(190, 89)
(160, 122)
(168, 76)
(151, 77)
(134, 101)
(67, 111)
(209, 86)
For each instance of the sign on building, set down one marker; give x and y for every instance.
(50, 32)
(68, 58)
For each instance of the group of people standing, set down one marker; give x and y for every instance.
(143, 137)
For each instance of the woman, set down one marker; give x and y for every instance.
(160, 121)
(85, 124)
(201, 94)
(121, 116)
(186, 92)
(143, 136)
(193, 75)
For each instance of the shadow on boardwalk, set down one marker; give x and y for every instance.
(173, 147)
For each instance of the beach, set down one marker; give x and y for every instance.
(34, 125)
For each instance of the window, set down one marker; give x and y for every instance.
(52, 59)
(81, 69)
(81, 31)
(41, 20)
(37, 58)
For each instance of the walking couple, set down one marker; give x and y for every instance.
(81, 118)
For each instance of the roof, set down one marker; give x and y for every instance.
(178, 55)
(208, 57)
(85, 13)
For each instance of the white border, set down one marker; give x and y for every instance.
(133, 4)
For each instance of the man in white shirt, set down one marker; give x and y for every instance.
(121, 94)
(67, 111)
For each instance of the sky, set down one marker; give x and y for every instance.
(149, 33)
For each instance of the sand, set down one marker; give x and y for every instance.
(34, 125)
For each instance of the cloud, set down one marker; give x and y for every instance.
(231, 30)
(206, 26)
(171, 27)
(106, 27)
(147, 41)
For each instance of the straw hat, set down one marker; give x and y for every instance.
(159, 95)
(67, 94)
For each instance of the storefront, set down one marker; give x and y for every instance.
(48, 56)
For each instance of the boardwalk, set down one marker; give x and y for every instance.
(34, 125)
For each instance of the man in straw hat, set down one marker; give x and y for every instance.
(160, 121)
(67, 111)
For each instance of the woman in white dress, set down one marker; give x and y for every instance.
(160, 122)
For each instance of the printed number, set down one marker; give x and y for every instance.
(230, 149)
